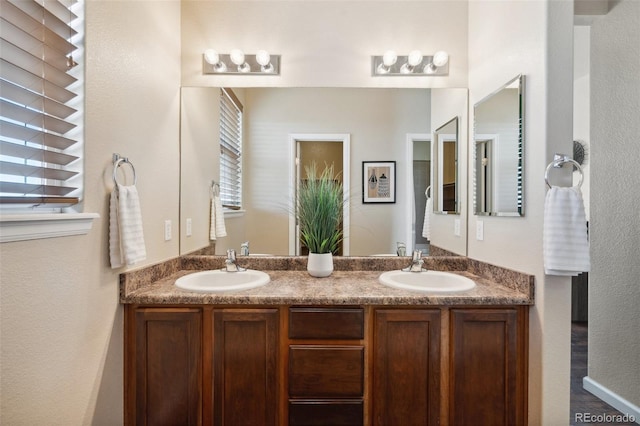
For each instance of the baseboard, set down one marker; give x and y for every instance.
(611, 398)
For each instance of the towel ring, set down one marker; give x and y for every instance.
(119, 161)
(557, 163)
(427, 191)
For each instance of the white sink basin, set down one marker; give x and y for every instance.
(427, 281)
(221, 281)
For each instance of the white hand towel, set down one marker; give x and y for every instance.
(126, 240)
(217, 228)
(426, 226)
(565, 239)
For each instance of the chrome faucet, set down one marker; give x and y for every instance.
(231, 264)
(416, 262)
(244, 248)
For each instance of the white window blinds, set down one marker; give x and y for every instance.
(41, 103)
(230, 150)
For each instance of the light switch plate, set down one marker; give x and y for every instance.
(456, 227)
(188, 226)
(167, 230)
(479, 230)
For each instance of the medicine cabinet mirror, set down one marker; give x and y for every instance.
(446, 171)
(498, 151)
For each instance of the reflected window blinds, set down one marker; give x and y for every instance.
(230, 150)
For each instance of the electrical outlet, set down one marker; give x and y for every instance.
(188, 227)
(456, 227)
(479, 230)
(167, 230)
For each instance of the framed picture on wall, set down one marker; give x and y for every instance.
(378, 181)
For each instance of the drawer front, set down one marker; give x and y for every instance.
(326, 323)
(326, 412)
(326, 371)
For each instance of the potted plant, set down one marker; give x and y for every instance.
(319, 212)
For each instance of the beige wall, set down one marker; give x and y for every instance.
(507, 39)
(61, 346)
(61, 321)
(614, 282)
(324, 43)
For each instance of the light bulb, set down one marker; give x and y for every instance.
(264, 59)
(237, 57)
(440, 58)
(211, 56)
(415, 57)
(389, 58)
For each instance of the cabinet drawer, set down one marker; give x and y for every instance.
(326, 323)
(326, 412)
(326, 371)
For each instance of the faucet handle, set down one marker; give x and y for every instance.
(417, 256)
(231, 255)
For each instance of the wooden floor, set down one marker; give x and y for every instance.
(581, 400)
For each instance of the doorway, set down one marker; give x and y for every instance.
(419, 178)
(323, 149)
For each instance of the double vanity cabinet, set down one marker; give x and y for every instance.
(400, 362)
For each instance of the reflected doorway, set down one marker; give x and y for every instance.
(419, 178)
(323, 149)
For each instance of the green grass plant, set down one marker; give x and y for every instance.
(320, 202)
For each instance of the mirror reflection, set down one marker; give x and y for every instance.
(499, 145)
(278, 124)
(446, 171)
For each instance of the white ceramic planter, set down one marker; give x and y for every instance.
(320, 264)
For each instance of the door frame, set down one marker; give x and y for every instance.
(411, 139)
(294, 138)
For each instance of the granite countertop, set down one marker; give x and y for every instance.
(353, 282)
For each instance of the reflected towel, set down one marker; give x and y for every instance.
(426, 226)
(565, 238)
(217, 228)
(126, 240)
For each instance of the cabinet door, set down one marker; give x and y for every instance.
(245, 356)
(487, 359)
(166, 388)
(406, 367)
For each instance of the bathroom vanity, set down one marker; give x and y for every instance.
(340, 350)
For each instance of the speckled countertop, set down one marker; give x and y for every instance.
(353, 282)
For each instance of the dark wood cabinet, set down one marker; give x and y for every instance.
(488, 368)
(406, 367)
(163, 368)
(245, 367)
(351, 365)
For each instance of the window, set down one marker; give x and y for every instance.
(230, 150)
(41, 100)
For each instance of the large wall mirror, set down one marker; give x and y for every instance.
(377, 123)
(446, 177)
(498, 151)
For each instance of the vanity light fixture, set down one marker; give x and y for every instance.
(236, 62)
(414, 64)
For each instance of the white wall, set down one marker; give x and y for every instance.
(533, 38)
(61, 335)
(614, 281)
(325, 43)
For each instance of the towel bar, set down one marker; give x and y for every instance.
(560, 160)
(117, 161)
